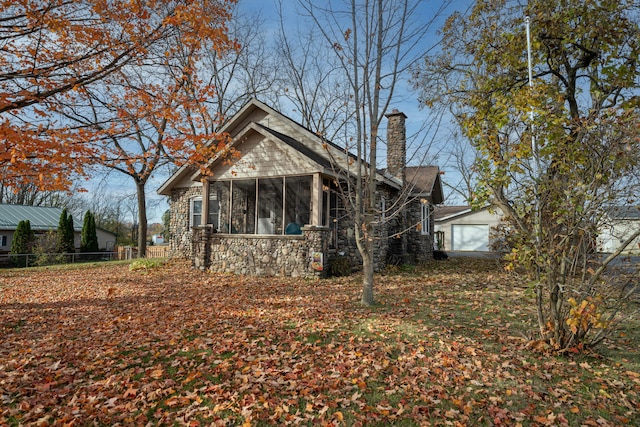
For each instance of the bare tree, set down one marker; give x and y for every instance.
(313, 80)
(250, 71)
(31, 195)
(375, 43)
(461, 159)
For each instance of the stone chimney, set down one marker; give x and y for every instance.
(396, 143)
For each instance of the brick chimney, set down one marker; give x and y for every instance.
(396, 143)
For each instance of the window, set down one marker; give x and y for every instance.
(195, 218)
(243, 207)
(425, 218)
(196, 212)
(297, 209)
(273, 206)
(3, 240)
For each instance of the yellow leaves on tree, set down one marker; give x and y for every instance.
(55, 52)
(585, 315)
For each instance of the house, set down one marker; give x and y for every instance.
(42, 219)
(461, 228)
(157, 239)
(619, 224)
(278, 211)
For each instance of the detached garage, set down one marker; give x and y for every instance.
(460, 228)
(469, 237)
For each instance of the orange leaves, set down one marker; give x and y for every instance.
(180, 346)
(73, 56)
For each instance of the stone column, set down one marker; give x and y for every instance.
(317, 238)
(201, 247)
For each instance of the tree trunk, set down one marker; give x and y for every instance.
(367, 280)
(142, 219)
(367, 270)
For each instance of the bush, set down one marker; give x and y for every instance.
(22, 243)
(339, 266)
(145, 264)
(45, 248)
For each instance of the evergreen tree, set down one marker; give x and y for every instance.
(89, 241)
(65, 233)
(22, 242)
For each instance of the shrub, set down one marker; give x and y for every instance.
(22, 243)
(339, 266)
(66, 242)
(89, 239)
(45, 248)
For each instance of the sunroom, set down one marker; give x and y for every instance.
(265, 206)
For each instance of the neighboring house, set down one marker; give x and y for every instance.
(621, 222)
(277, 209)
(158, 239)
(465, 229)
(42, 219)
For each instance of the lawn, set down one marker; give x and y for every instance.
(447, 345)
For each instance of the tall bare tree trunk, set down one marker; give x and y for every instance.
(142, 219)
(367, 279)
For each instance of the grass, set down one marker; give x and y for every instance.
(165, 345)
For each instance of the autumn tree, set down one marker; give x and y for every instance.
(557, 151)
(153, 112)
(54, 49)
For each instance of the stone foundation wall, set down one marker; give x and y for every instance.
(257, 255)
(249, 254)
(181, 236)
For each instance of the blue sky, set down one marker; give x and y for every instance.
(116, 186)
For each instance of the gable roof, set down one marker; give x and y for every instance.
(425, 181)
(325, 153)
(443, 213)
(41, 218)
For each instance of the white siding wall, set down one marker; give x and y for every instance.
(478, 218)
(262, 157)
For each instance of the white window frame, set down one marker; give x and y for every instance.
(425, 219)
(3, 240)
(192, 202)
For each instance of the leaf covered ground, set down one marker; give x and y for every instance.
(104, 345)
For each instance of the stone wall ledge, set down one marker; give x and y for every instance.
(258, 236)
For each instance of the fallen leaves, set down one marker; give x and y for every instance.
(178, 346)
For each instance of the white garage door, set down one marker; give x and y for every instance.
(470, 237)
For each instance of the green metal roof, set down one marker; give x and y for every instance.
(41, 218)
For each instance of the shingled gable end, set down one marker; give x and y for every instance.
(276, 210)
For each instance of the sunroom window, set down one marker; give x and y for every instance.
(272, 206)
